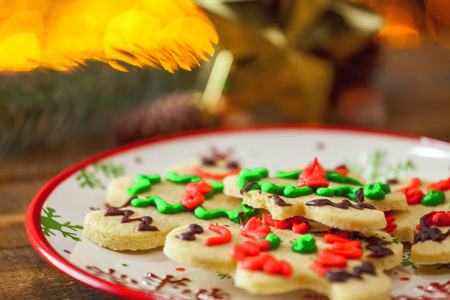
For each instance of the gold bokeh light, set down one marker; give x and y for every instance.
(62, 35)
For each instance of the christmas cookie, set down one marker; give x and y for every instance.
(432, 244)
(145, 208)
(422, 198)
(266, 260)
(330, 198)
(213, 167)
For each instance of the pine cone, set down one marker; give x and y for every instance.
(173, 113)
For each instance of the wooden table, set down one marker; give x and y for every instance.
(414, 84)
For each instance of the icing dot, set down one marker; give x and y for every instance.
(404, 278)
(194, 228)
(305, 244)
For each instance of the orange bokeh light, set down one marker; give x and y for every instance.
(439, 9)
(400, 30)
(62, 35)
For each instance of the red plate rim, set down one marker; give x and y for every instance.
(43, 247)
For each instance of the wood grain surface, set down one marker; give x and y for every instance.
(414, 85)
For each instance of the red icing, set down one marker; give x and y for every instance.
(404, 278)
(225, 235)
(313, 176)
(200, 186)
(285, 268)
(329, 258)
(248, 248)
(251, 256)
(248, 254)
(318, 268)
(347, 250)
(268, 264)
(441, 218)
(263, 245)
(192, 199)
(441, 186)
(251, 248)
(280, 224)
(194, 194)
(341, 170)
(301, 228)
(412, 192)
(428, 221)
(313, 168)
(237, 252)
(314, 181)
(341, 250)
(199, 172)
(332, 239)
(297, 223)
(254, 229)
(390, 227)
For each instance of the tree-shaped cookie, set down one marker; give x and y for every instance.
(277, 261)
(144, 209)
(330, 198)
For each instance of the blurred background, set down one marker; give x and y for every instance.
(78, 77)
(370, 63)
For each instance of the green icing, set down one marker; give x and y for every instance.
(248, 210)
(217, 187)
(271, 188)
(376, 191)
(288, 191)
(331, 176)
(160, 205)
(340, 178)
(142, 184)
(291, 191)
(175, 178)
(199, 211)
(325, 192)
(343, 191)
(305, 244)
(433, 198)
(203, 214)
(247, 175)
(274, 241)
(288, 175)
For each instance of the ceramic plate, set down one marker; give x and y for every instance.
(55, 216)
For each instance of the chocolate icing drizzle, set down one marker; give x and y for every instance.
(375, 244)
(391, 181)
(247, 187)
(145, 221)
(345, 204)
(192, 230)
(359, 197)
(232, 164)
(341, 167)
(428, 233)
(216, 155)
(128, 202)
(279, 201)
(342, 276)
